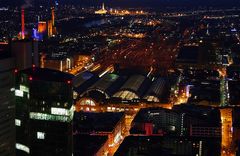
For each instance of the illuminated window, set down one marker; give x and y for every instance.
(60, 111)
(88, 102)
(49, 117)
(17, 122)
(19, 93)
(75, 95)
(22, 148)
(41, 135)
(24, 88)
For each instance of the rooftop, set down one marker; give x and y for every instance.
(188, 54)
(4, 50)
(87, 145)
(167, 146)
(105, 83)
(95, 122)
(156, 91)
(204, 113)
(48, 74)
(82, 78)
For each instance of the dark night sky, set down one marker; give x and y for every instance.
(138, 3)
(159, 3)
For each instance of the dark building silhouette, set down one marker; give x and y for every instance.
(7, 134)
(44, 112)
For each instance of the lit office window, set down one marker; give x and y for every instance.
(19, 93)
(17, 122)
(41, 135)
(59, 111)
(24, 88)
(22, 148)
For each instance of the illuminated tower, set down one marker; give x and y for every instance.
(103, 7)
(207, 33)
(44, 112)
(102, 10)
(53, 16)
(226, 118)
(23, 24)
(50, 28)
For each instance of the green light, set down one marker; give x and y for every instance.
(113, 77)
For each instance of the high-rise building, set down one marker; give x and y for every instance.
(7, 130)
(44, 112)
(25, 53)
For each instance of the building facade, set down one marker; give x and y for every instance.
(44, 112)
(25, 53)
(7, 108)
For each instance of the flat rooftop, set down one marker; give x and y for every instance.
(95, 122)
(205, 91)
(167, 146)
(234, 90)
(208, 114)
(47, 74)
(4, 50)
(87, 145)
(188, 54)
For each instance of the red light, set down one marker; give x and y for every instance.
(68, 81)
(15, 71)
(33, 65)
(30, 78)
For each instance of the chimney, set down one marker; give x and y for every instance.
(53, 16)
(23, 24)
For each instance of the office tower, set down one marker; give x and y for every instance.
(25, 53)
(44, 112)
(7, 134)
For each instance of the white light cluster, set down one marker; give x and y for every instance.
(41, 135)
(18, 93)
(60, 111)
(117, 138)
(22, 148)
(17, 122)
(49, 117)
(24, 88)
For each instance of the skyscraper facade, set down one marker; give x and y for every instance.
(44, 112)
(25, 53)
(7, 134)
